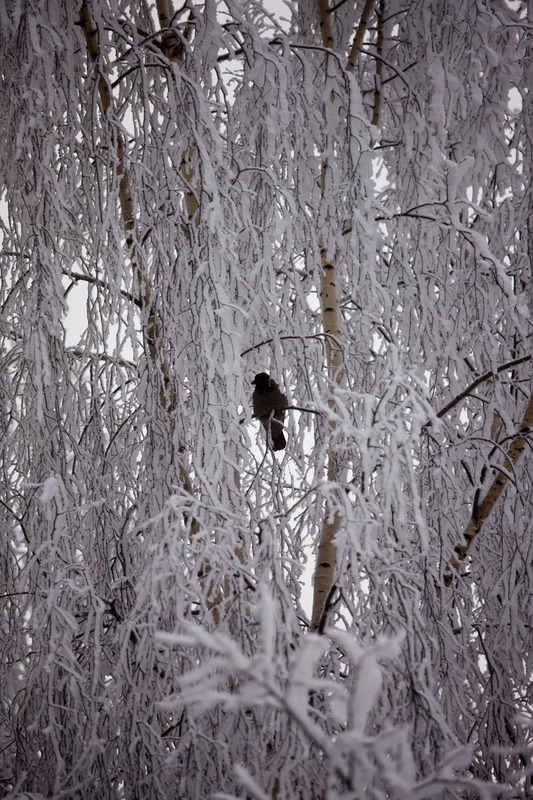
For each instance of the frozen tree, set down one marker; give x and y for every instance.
(336, 193)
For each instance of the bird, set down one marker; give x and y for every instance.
(269, 405)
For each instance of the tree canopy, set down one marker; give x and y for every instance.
(338, 194)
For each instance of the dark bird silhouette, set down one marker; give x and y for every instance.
(269, 408)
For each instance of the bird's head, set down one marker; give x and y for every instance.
(262, 382)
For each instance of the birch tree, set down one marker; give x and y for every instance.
(338, 194)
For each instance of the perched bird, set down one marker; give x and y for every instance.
(269, 408)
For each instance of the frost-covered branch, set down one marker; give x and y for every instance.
(484, 507)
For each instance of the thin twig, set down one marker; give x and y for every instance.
(79, 276)
(288, 408)
(269, 341)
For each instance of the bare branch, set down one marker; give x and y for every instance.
(485, 377)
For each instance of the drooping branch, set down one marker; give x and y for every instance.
(174, 49)
(144, 294)
(142, 286)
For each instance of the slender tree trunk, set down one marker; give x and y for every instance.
(327, 553)
(324, 576)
